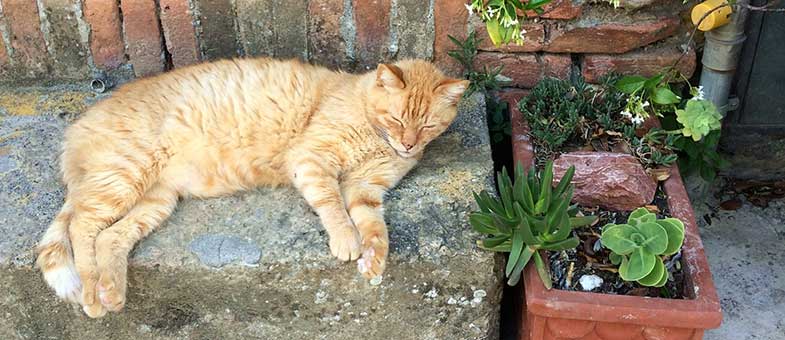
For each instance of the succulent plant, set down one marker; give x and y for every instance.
(529, 215)
(639, 245)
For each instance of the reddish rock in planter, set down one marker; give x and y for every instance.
(613, 181)
(558, 314)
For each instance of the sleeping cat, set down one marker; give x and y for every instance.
(213, 129)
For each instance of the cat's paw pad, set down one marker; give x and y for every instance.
(91, 306)
(374, 258)
(345, 245)
(111, 290)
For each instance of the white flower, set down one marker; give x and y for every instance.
(626, 113)
(645, 104)
(522, 34)
(510, 22)
(469, 8)
(492, 11)
(698, 93)
(637, 120)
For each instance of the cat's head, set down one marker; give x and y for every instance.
(413, 103)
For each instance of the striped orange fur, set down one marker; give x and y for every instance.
(213, 129)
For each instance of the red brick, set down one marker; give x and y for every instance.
(178, 24)
(560, 9)
(609, 37)
(27, 40)
(526, 69)
(325, 43)
(556, 65)
(142, 36)
(106, 43)
(533, 38)
(372, 21)
(646, 62)
(450, 18)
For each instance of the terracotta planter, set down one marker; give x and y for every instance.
(558, 314)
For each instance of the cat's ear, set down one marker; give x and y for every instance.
(390, 77)
(452, 89)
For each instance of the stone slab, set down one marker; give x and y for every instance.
(256, 264)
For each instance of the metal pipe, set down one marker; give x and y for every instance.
(721, 55)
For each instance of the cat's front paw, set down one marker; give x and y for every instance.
(374, 258)
(111, 289)
(345, 244)
(90, 304)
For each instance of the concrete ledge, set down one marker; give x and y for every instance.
(256, 264)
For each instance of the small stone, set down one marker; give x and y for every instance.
(432, 294)
(321, 297)
(479, 294)
(590, 282)
(452, 301)
(376, 281)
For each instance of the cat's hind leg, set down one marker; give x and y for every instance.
(115, 243)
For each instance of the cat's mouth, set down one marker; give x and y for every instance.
(404, 154)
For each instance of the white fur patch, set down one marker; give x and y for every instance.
(65, 282)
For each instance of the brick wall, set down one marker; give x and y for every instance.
(72, 39)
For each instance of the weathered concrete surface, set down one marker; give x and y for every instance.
(746, 255)
(256, 264)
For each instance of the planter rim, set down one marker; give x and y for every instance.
(702, 310)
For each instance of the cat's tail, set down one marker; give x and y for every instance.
(55, 257)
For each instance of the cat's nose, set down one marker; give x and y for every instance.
(408, 146)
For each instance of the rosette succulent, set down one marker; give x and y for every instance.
(639, 246)
(528, 216)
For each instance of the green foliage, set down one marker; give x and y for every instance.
(647, 95)
(699, 118)
(483, 80)
(559, 111)
(502, 20)
(656, 148)
(529, 215)
(499, 120)
(639, 245)
(701, 157)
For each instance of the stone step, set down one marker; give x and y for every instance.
(256, 264)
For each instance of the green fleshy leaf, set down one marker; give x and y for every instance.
(615, 258)
(482, 223)
(515, 251)
(641, 215)
(618, 238)
(655, 276)
(570, 243)
(565, 181)
(544, 276)
(656, 238)
(663, 280)
(640, 264)
(515, 274)
(675, 230)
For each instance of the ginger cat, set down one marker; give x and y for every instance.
(213, 129)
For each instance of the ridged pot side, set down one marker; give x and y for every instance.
(558, 314)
